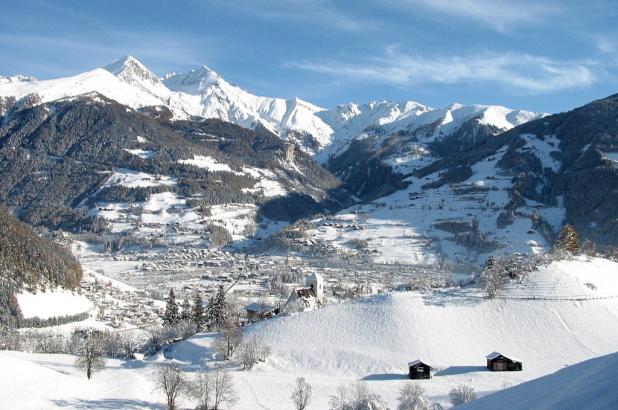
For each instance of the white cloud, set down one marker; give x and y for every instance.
(314, 12)
(499, 14)
(514, 71)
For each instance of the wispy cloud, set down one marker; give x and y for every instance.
(513, 71)
(313, 12)
(498, 14)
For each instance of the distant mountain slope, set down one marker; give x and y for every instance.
(432, 195)
(586, 385)
(89, 163)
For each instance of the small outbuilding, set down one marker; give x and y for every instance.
(260, 311)
(419, 370)
(497, 362)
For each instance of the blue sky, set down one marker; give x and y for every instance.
(533, 54)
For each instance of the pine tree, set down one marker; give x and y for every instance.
(186, 313)
(198, 311)
(171, 316)
(216, 313)
(568, 239)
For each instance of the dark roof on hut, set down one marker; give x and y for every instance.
(418, 361)
(259, 307)
(493, 355)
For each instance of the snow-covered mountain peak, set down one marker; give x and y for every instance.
(133, 72)
(194, 82)
(129, 67)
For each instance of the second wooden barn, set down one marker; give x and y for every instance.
(497, 362)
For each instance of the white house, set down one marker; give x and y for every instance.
(307, 297)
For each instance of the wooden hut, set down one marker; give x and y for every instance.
(259, 311)
(419, 370)
(497, 362)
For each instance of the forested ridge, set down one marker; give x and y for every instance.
(32, 262)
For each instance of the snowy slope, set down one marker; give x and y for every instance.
(98, 80)
(204, 93)
(405, 225)
(374, 338)
(52, 303)
(587, 385)
(42, 381)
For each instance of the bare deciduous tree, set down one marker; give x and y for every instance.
(212, 388)
(461, 394)
(356, 397)
(301, 397)
(252, 351)
(171, 381)
(411, 398)
(227, 343)
(89, 354)
(223, 388)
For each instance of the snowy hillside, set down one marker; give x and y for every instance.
(98, 80)
(374, 338)
(586, 385)
(204, 93)
(52, 303)
(51, 381)
(423, 223)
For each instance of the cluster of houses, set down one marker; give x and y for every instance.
(496, 362)
(301, 298)
(117, 307)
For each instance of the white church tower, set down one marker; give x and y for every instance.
(316, 283)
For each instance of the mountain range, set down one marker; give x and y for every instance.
(203, 93)
(122, 151)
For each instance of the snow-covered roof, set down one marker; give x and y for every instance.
(417, 361)
(313, 276)
(258, 307)
(493, 355)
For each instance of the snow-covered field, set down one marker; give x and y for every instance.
(372, 339)
(52, 303)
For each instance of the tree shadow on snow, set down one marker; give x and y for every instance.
(385, 376)
(108, 404)
(452, 297)
(133, 364)
(454, 370)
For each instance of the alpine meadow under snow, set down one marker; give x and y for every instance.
(176, 242)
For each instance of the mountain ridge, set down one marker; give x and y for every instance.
(204, 93)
